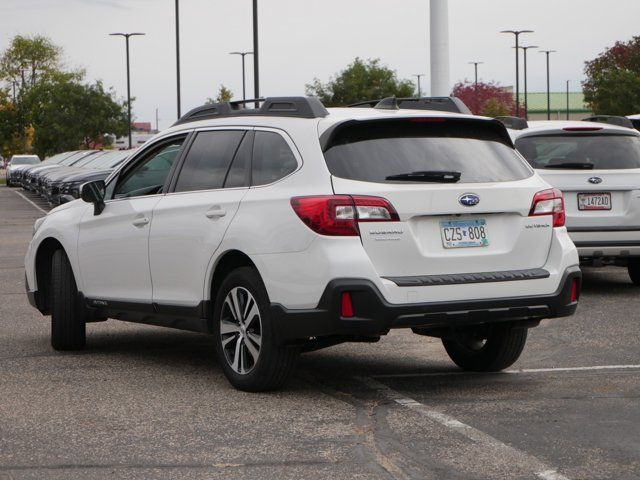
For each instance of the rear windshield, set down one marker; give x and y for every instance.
(596, 151)
(25, 161)
(374, 151)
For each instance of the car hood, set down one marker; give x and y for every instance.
(88, 176)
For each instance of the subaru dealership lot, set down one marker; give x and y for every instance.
(147, 402)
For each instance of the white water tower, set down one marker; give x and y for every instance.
(439, 32)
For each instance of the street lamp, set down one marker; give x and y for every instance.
(547, 52)
(178, 55)
(567, 99)
(242, 54)
(517, 33)
(418, 75)
(526, 102)
(475, 83)
(256, 63)
(126, 37)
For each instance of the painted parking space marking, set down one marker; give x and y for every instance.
(512, 372)
(538, 468)
(29, 201)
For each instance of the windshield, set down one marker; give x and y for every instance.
(597, 151)
(424, 150)
(25, 161)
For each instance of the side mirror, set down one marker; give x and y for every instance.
(93, 192)
(66, 199)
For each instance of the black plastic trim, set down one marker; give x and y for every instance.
(375, 316)
(464, 278)
(607, 243)
(604, 229)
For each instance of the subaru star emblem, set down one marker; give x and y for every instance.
(469, 200)
(595, 180)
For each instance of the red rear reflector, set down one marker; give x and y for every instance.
(346, 309)
(549, 202)
(575, 293)
(338, 215)
(582, 129)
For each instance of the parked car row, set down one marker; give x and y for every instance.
(597, 168)
(58, 178)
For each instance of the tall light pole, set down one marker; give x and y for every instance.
(418, 75)
(526, 101)
(178, 55)
(547, 52)
(126, 37)
(475, 83)
(256, 63)
(517, 34)
(242, 54)
(567, 99)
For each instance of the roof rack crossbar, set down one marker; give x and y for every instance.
(297, 107)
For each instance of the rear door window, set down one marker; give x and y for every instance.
(584, 151)
(208, 160)
(373, 151)
(272, 158)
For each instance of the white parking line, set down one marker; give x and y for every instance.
(33, 204)
(512, 372)
(480, 438)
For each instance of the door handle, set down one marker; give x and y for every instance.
(216, 212)
(140, 222)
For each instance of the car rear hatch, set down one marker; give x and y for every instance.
(598, 172)
(466, 207)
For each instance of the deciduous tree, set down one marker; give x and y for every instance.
(359, 81)
(488, 99)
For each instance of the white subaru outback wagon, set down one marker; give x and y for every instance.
(597, 167)
(290, 227)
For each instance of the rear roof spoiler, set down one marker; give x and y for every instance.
(514, 123)
(612, 120)
(439, 104)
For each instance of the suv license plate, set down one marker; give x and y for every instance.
(464, 233)
(594, 201)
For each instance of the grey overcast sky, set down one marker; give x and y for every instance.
(303, 39)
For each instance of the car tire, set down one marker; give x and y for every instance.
(68, 327)
(247, 350)
(633, 267)
(499, 349)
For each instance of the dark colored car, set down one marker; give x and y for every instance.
(32, 176)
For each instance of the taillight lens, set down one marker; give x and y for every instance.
(338, 215)
(549, 202)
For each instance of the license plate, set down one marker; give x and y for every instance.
(594, 201)
(464, 233)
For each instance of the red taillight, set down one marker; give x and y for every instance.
(575, 292)
(338, 215)
(549, 202)
(346, 307)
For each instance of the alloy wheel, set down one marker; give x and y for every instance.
(241, 330)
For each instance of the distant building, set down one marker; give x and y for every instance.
(537, 102)
(141, 127)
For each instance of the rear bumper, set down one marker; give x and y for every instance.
(606, 242)
(375, 316)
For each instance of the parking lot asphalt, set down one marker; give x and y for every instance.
(146, 402)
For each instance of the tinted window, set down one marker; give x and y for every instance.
(373, 151)
(581, 151)
(208, 160)
(149, 174)
(272, 158)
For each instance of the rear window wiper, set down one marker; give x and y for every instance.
(576, 165)
(441, 176)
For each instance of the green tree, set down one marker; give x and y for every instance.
(360, 81)
(612, 85)
(28, 59)
(67, 114)
(224, 95)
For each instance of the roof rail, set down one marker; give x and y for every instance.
(441, 104)
(514, 123)
(611, 119)
(299, 107)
